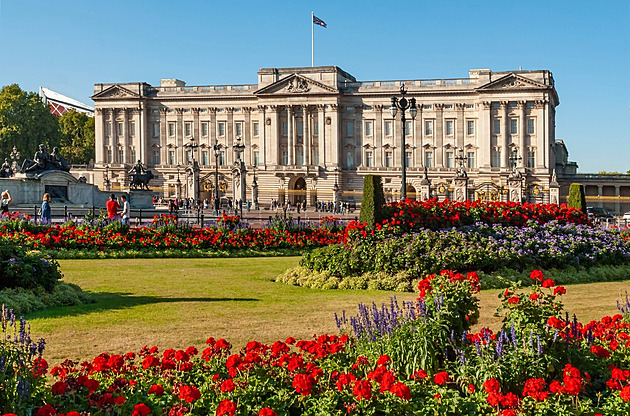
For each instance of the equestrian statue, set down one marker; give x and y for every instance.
(140, 177)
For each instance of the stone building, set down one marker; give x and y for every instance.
(310, 131)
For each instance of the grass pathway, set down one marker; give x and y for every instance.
(174, 303)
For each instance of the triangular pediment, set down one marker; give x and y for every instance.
(512, 82)
(296, 85)
(115, 91)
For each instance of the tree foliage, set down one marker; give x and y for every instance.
(25, 122)
(577, 197)
(77, 137)
(373, 200)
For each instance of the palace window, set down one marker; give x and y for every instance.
(133, 156)
(188, 156)
(368, 128)
(449, 127)
(388, 128)
(388, 159)
(204, 158)
(256, 155)
(496, 128)
(449, 160)
(132, 128)
(300, 157)
(188, 128)
(428, 159)
(109, 128)
(121, 156)
(109, 155)
(204, 129)
(428, 128)
(171, 129)
(119, 127)
(285, 128)
(350, 159)
(531, 126)
(238, 127)
(408, 128)
(171, 157)
(315, 128)
(470, 160)
(513, 126)
(156, 129)
(496, 158)
(368, 159)
(156, 157)
(221, 128)
(315, 157)
(285, 157)
(470, 127)
(300, 128)
(255, 128)
(407, 159)
(222, 157)
(349, 128)
(531, 159)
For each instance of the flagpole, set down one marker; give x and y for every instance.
(312, 40)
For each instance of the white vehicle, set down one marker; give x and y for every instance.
(626, 216)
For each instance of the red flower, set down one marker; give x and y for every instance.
(266, 411)
(625, 393)
(156, 389)
(419, 374)
(141, 409)
(401, 390)
(226, 407)
(548, 283)
(514, 300)
(559, 291)
(362, 389)
(600, 351)
(303, 383)
(46, 410)
(471, 388)
(59, 388)
(227, 386)
(491, 386)
(189, 393)
(536, 275)
(441, 378)
(383, 360)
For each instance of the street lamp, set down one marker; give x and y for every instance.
(192, 146)
(514, 159)
(403, 105)
(178, 182)
(107, 182)
(238, 147)
(217, 154)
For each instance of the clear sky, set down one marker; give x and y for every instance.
(68, 46)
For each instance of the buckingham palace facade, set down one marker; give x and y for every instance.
(312, 133)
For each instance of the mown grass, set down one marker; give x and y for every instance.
(174, 303)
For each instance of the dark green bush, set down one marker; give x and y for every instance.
(19, 268)
(24, 301)
(577, 197)
(373, 200)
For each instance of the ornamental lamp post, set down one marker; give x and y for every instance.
(217, 153)
(107, 182)
(178, 183)
(403, 105)
(238, 147)
(192, 145)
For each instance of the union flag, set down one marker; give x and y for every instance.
(318, 21)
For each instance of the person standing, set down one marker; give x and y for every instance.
(112, 207)
(45, 216)
(126, 210)
(4, 203)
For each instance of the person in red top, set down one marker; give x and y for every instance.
(112, 207)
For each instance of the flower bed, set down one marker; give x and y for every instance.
(419, 359)
(482, 247)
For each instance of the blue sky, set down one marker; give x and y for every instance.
(69, 46)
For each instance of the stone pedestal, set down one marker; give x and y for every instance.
(239, 184)
(554, 189)
(515, 188)
(460, 189)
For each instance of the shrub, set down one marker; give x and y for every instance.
(25, 301)
(577, 197)
(373, 200)
(26, 269)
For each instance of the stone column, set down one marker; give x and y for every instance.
(522, 146)
(262, 132)
(113, 137)
(179, 136)
(504, 135)
(541, 140)
(290, 141)
(334, 147)
(247, 140)
(163, 143)
(229, 138)
(195, 129)
(274, 135)
(306, 135)
(99, 134)
(357, 138)
(378, 136)
(125, 136)
(484, 135)
(212, 126)
(142, 141)
(438, 134)
(459, 125)
(321, 139)
(418, 134)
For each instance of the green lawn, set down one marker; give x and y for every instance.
(174, 303)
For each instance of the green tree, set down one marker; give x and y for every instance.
(25, 122)
(577, 197)
(77, 137)
(373, 200)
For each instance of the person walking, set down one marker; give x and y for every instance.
(112, 207)
(4, 203)
(126, 210)
(45, 216)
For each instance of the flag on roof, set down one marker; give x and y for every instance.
(318, 21)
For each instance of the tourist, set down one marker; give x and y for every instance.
(112, 207)
(45, 216)
(4, 203)
(171, 207)
(126, 211)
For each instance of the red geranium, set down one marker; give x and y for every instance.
(189, 393)
(441, 378)
(226, 407)
(362, 389)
